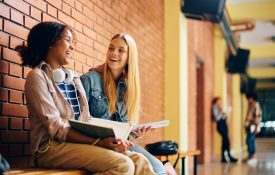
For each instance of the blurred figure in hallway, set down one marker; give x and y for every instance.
(251, 124)
(220, 117)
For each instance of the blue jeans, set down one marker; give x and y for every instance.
(250, 141)
(156, 164)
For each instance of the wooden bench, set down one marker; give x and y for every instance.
(37, 171)
(182, 156)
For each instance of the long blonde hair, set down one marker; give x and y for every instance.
(131, 74)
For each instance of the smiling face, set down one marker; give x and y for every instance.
(117, 55)
(61, 52)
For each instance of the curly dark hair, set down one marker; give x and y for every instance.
(41, 37)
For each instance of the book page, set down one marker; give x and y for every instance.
(121, 130)
(159, 124)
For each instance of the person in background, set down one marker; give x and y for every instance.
(220, 117)
(251, 124)
(55, 94)
(113, 90)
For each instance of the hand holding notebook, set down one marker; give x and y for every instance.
(155, 125)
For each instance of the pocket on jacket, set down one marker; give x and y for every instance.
(98, 103)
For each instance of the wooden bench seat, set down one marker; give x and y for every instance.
(37, 171)
(182, 156)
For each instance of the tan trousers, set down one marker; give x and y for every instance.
(94, 159)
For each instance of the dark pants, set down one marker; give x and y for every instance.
(223, 131)
(250, 141)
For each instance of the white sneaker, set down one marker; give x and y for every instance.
(252, 162)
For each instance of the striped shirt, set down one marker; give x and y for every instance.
(72, 96)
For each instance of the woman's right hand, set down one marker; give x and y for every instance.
(115, 144)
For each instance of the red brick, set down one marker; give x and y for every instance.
(4, 66)
(26, 71)
(38, 4)
(14, 136)
(51, 10)
(14, 110)
(100, 4)
(27, 149)
(16, 123)
(27, 124)
(55, 3)
(88, 51)
(80, 37)
(5, 10)
(90, 42)
(100, 39)
(80, 57)
(4, 94)
(78, 26)
(89, 32)
(78, 67)
(16, 97)
(99, 12)
(46, 17)
(65, 18)
(70, 2)
(30, 22)
(89, 13)
(100, 47)
(16, 150)
(78, 16)
(17, 16)
(36, 14)
(66, 9)
(99, 30)
(90, 61)
(71, 65)
(79, 47)
(86, 68)
(13, 82)
(78, 6)
(15, 29)
(15, 42)
(15, 70)
(90, 23)
(4, 39)
(1, 23)
(19, 5)
(4, 150)
(4, 123)
(11, 55)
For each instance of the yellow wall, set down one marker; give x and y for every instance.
(236, 140)
(219, 79)
(238, 103)
(176, 61)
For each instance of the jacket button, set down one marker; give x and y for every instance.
(99, 97)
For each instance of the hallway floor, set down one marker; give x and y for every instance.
(265, 164)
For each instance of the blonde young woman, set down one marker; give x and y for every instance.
(54, 95)
(113, 89)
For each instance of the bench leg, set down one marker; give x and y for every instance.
(195, 164)
(183, 166)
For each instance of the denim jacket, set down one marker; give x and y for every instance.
(97, 99)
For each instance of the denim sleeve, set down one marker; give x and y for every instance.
(86, 82)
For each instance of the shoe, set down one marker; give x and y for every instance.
(233, 160)
(223, 161)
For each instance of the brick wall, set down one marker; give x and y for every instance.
(200, 87)
(94, 21)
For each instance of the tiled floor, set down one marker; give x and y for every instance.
(265, 164)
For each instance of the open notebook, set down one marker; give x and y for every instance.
(101, 128)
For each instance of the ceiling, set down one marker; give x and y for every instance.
(259, 40)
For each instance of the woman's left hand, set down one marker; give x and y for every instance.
(140, 132)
